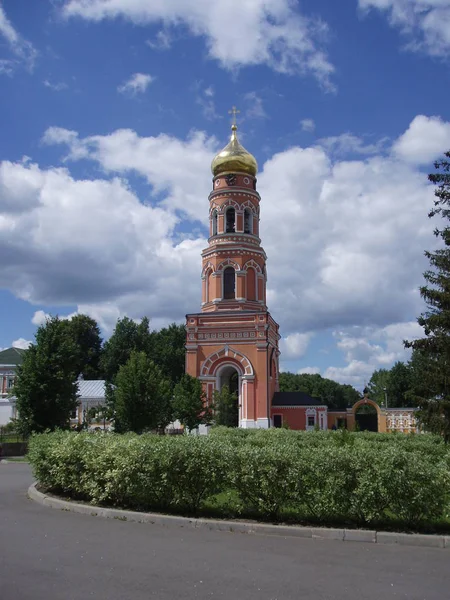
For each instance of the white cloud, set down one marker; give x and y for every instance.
(348, 143)
(255, 108)
(354, 231)
(21, 343)
(237, 32)
(6, 67)
(356, 373)
(179, 170)
(40, 317)
(295, 345)
(204, 97)
(162, 41)
(92, 243)
(56, 87)
(426, 139)
(353, 234)
(308, 125)
(23, 51)
(309, 371)
(425, 23)
(367, 349)
(136, 84)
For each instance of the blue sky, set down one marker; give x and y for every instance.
(110, 113)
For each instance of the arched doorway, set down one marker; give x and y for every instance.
(228, 398)
(366, 415)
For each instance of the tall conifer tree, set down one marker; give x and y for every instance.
(434, 348)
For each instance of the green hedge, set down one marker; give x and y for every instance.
(322, 477)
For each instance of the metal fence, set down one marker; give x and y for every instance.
(10, 436)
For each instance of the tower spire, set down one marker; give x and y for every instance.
(234, 111)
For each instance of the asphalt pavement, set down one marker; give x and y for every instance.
(48, 554)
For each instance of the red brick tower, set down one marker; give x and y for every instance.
(234, 340)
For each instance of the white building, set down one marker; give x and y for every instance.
(10, 359)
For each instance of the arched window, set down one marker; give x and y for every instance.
(229, 283)
(214, 223)
(251, 284)
(210, 296)
(230, 220)
(248, 221)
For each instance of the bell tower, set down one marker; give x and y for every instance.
(234, 340)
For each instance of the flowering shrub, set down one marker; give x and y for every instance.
(327, 477)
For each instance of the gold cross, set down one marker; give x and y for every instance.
(234, 111)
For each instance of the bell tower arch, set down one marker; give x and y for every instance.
(234, 332)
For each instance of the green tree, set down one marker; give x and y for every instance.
(141, 397)
(434, 348)
(379, 382)
(46, 387)
(168, 351)
(226, 407)
(333, 394)
(85, 333)
(189, 403)
(128, 336)
(399, 386)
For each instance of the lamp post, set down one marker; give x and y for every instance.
(385, 396)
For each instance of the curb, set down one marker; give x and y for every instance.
(315, 533)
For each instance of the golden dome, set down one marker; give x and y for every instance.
(234, 158)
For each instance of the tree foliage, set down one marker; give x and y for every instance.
(141, 396)
(84, 332)
(189, 403)
(433, 394)
(395, 384)
(226, 407)
(333, 394)
(168, 351)
(128, 337)
(165, 347)
(46, 388)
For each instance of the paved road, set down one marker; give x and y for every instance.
(46, 554)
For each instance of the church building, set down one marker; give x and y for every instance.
(234, 340)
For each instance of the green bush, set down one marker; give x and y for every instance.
(265, 478)
(326, 477)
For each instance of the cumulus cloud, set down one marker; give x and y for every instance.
(22, 50)
(309, 371)
(55, 87)
(425, 23)
(162, 41)
(204, 97)
(40, 317)
(308, 125)
(367, 349)
(353, 234)
(91, 242)
(136, 84)
(237, 32)
(255, 108)
(21, 343)
(177, 170)
(354, 231)
(295, 345)
(348, 143)
(425, 139)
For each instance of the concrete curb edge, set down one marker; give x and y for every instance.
(317, 533)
